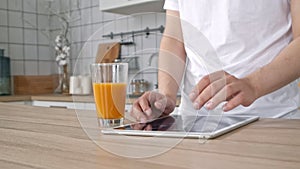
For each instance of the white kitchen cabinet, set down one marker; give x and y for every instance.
(131, 6)
(70, 105)
(67, 105)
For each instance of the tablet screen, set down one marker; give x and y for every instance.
(188, 124)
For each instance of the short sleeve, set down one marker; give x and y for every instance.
(171, 5)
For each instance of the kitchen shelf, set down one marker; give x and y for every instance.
(127, 7)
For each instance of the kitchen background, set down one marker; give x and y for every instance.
(28, 29)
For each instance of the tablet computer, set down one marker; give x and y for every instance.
(206, 127)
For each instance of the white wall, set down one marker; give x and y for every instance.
(28, 30)
(25, 44)
(93, 23)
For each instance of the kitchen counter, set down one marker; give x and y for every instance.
(14, 98)
(47, 97)
(51, 138)
(61, 98)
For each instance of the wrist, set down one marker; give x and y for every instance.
(254, 85)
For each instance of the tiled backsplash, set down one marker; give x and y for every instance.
(24, 34)
(28, 29)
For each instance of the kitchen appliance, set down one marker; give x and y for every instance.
(138, 86)
(5, 82)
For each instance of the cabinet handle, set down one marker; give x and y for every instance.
(61, 107)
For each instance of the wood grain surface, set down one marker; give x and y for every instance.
(50, 138)
(30, 85)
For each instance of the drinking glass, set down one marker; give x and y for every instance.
(109, 88)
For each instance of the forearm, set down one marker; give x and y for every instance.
(284, 69)
(171, 66)
(171, 56)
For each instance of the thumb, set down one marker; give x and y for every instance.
(161, 104)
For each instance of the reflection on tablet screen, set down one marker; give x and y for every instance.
(178, 123)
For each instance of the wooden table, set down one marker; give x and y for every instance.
(51, 138)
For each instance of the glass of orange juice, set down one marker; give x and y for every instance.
(109, 87)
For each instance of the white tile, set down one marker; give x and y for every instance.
(95, 46)
(121, 25)
(43, 21)
(85, 66)
(5, 47)
(43, 37)
(52, 52)
(76, 34)
(56, 6)
(31, 52)
(149, 42)
(85, 3)
(75, 5)
(76, 65)
(29, 5)
(135, 23)
(86, 51)
(17, 68)
(15, 4)
(131, 50)
(86, 32)
(158, 40)
(54, 23)
(3, 17)
(76, 18)
(160, 19)
(47, 68)
(95, 3)
(54, 33)
(65, 5)
(149, 20)
(86, 15)
(15, 19)
(97, 15)
(108, 27)
(97, 29)
(43, 7)
(119, 16)
(3, 34)
(30, 20)
(3, 4)
(74, 51)
(108, 16)
(31, 68)
(30, 36)
(15, 35)
(73, 67)
(138, 44)
(16, 52)
(44, 53)
(124, 50)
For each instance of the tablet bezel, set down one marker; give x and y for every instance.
(180, 134)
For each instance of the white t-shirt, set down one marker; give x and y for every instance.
(245, 35)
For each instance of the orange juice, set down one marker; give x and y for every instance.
(110, 100)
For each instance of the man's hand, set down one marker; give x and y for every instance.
(151, 105)
(220, 86)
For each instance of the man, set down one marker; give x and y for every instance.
(257, 44)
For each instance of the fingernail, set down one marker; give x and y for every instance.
(192, 95)
(209, 105)
(158, 105)
(196, 105)
(148, 112)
